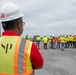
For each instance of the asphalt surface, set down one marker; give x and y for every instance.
(57, 62)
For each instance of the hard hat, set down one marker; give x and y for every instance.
(62, 34)
(53, 35)
(10, 11)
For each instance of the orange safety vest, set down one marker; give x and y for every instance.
(53, 40)
(75, 38)
(15, 56)
(58, 39)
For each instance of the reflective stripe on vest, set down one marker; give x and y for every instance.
(17, 59)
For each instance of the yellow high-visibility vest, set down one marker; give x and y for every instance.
(15, 56)
(62, 39)
(70, 38)
(37, 38)
(45, 39)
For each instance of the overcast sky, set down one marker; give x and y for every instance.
(47, 17)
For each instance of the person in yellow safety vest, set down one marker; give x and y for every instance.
(62, 39)
(27, 37)
(45, 40)
(70, 41)
(75, 41)
(50, 41)
(66, 41)
(38, 41)
(17, 55)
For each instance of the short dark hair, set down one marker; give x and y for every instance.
(7, 25)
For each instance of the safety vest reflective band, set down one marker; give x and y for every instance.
(15, 56)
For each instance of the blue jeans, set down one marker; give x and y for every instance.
(62, 45)
(54, 45)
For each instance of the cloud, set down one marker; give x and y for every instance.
(48, 16)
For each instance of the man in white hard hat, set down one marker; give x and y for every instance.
(62, 40)
(17, 55)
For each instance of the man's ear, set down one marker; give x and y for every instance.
(19, 25)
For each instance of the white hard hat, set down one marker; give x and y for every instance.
(53, 35)
(62, 34)
(10, 11)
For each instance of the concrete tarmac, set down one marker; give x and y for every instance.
(57, 62)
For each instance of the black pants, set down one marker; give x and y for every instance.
(45, 45)
(70, 44)
(75, 44)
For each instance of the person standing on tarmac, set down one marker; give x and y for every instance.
(50, 41)
(53, 42)
(75, 41)
(70, 41)
(45, 40)
(58, 42)
(38, 41)
(62, 39)
(18, 56)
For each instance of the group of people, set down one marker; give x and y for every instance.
(60, 42)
